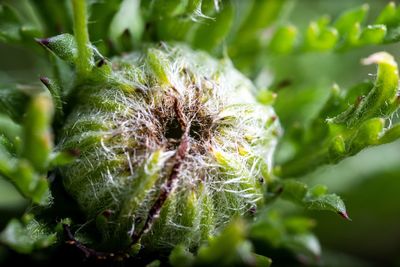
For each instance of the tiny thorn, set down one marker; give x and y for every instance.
(344, 215)
(45, 81)
(43, 41)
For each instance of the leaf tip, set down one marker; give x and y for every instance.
(344, 215)
(45, 81)
(43, 42)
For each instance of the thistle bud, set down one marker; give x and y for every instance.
(172, 145)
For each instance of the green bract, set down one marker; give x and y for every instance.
(172, 145)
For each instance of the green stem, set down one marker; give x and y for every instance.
(83, 62)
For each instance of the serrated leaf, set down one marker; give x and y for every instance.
(329, 202)
(315, 198)
(381, 101)
(348, 31)
(353, 127)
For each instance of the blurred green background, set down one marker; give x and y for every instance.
(368, 182)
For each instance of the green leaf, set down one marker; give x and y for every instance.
(283, 40)
(6, 162)
(61, 158)
(390, 135)
(30, 184)
(373, 34)
(345, 33)
(127, 19)
(389, 15)
(291, 233)
(169, 8)
(10, 130)
(230, 248)
(329, 202)
(381, 101)
(320, 37)
(210, 35)
(314, 198)
(294, 191)
(155, 263)
(367, 134)
(37, 141)
(18, 23)
(305, 245)
(261, 15)
(298, 224)
(28, 168)
(351, 17)
(181, 257)
(9, 25)
(27, 237)
(13, 102)
(64, 46)
(350, 128)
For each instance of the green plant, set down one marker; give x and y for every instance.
(168, 150)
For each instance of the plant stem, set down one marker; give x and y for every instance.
(83, 62)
